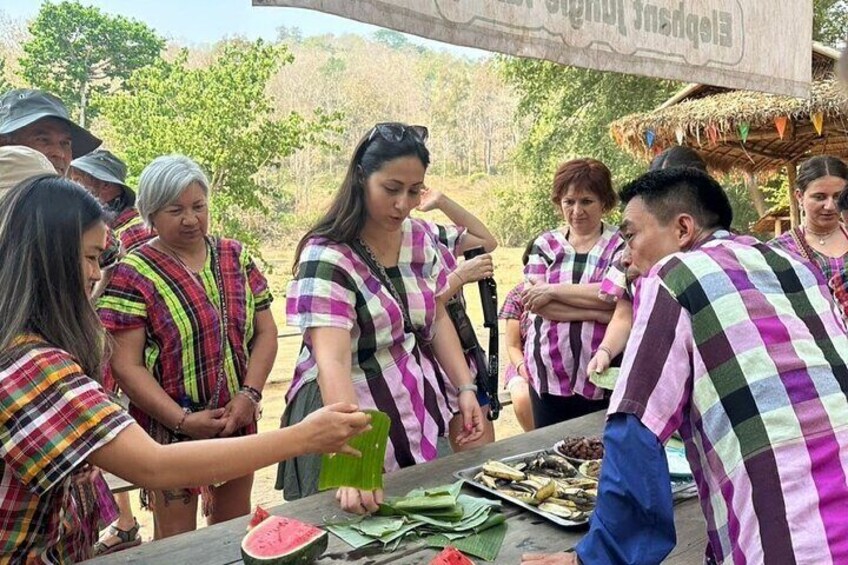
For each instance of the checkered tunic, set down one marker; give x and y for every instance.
(738, 345)
(130, 229)
(829, 266)
(513, 309)
(335, 288)
(558, 353)
(179, 311)
(52, 417)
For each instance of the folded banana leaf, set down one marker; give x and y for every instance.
(486, 544)
(366, 472)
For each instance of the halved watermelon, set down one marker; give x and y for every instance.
(282, 541)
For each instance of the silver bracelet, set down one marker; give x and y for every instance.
(470, 386)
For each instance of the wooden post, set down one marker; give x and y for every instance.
(755, 193)
(794, 213)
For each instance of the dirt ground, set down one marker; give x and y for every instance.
(508, 273)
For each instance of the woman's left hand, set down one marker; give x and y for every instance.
(536, 296)
(240, 412)
(430, 200)
(472, 418)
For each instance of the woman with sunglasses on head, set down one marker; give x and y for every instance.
(56, 422)
(194, 336)
(366, 295)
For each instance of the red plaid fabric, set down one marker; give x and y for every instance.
(52, 417)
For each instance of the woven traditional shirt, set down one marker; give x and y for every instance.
(179, 311)
(130, 229)
(513, 309)
(738, 345)
(828, 266)
(558, 353)
(335, 288)
(52, 417)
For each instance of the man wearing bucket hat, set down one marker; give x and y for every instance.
(39, 120)
(18, 163)
(104, 175)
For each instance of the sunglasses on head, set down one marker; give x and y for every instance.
(394, 133)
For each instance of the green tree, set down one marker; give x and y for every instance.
(78, 52)
(830, 21)
(570, 110)
(221, 117)
(4, 82)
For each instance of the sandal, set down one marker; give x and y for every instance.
(126, 539)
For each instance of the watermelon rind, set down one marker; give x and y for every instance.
(306, 552)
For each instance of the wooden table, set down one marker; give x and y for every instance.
(117, 484)
(527, 532)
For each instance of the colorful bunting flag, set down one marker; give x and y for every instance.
(780, 123)
(680, 135)
(744, 130)
(818, 122)
(650, 136)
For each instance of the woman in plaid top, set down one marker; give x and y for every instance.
(366, 295)
(821, 238)
(466, 232)
(56, 422)
(193, 335)
(563, 276)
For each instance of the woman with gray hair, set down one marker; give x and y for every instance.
(194, 338)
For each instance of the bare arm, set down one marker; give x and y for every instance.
(615, 338)
(331, 350)
(581, 295)
(477, 235)
(263, 350)
(135, 457)
(560, 312)
(514, 347)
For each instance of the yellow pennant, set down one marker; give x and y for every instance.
(818, 122)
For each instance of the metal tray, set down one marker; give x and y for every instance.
(468, 474)
(680, 489)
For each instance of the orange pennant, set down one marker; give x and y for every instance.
(780, 123)
(818, 122)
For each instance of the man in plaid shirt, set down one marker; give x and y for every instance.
(747, 359)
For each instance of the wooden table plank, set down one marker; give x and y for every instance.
(527, 532)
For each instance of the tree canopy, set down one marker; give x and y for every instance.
(78, 52)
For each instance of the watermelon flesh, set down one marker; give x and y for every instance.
(451, 556)
(258, 515)
(283, 541)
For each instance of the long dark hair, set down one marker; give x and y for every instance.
(345, 218)
(42, 287)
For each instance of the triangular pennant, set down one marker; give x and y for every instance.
(680, 135)
(780, 123)
(818, 122)
(650, 136)
(657, 150)
(744, 130)
(712, 134)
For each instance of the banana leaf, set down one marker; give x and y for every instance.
(366, 472)
(428, 499)
(486, 544)
(377, 527)
(607, 379)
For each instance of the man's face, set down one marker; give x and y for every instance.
(50, 137)
(648, 240)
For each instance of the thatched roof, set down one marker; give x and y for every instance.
(766, 223)
(698, 111)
